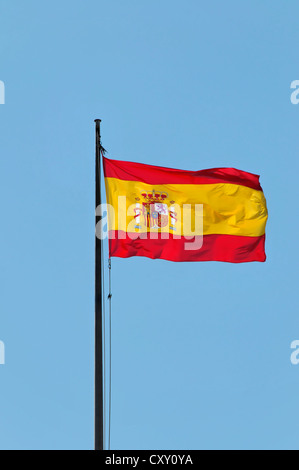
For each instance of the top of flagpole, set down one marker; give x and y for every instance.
(98, 134)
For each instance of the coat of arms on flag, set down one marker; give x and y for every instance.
(153, 210)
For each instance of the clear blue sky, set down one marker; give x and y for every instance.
(201, 352)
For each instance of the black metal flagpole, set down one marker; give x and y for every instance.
(99, 399)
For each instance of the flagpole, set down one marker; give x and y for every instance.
(99, 402)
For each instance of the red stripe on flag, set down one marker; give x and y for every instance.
(150, 174)
(226, 248)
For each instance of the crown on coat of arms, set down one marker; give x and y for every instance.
(154, 196)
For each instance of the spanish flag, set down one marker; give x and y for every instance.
(162, 213)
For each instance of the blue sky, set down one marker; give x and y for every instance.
(201, 351)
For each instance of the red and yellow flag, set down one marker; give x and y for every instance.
(210, 215)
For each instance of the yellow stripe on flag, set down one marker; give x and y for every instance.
(228, 209)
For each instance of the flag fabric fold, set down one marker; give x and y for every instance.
(162, 213)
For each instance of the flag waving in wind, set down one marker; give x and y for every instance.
(210, 215)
